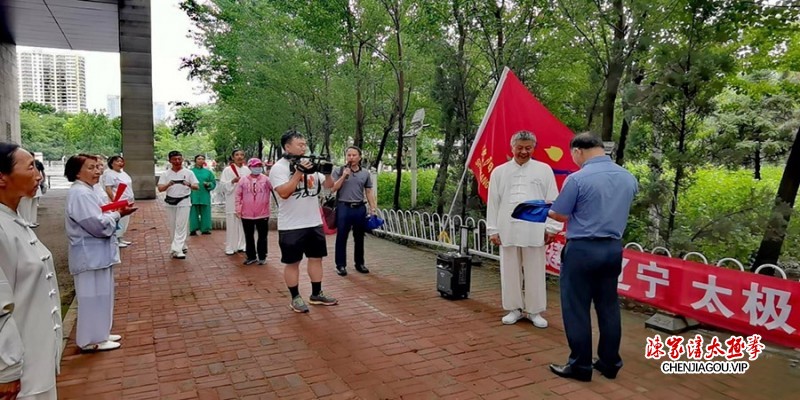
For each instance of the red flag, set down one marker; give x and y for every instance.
(513, 108)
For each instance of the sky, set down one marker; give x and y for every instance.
(170, 29)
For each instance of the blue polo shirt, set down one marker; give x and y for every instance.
(597, 199)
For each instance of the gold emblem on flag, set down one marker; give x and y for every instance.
(484, 165)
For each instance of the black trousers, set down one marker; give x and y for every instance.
(255, 248)
(589, 272)
(350, 218)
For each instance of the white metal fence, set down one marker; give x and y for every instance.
(445, 232)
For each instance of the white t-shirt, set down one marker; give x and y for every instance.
(301, 209)
(113, 178)
(179, 190)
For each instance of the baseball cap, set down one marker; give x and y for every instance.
(254, 162)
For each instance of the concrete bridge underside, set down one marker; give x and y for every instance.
(121, 26)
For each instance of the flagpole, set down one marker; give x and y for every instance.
(478, 135)
(460, 184)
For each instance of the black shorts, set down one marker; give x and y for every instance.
(296, 242)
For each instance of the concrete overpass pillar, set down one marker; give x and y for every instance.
(9, 92)
(136, 73)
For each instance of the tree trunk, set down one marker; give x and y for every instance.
(358, 140)
(757, 162)
(386, 131)
(440, 183)
(501, 62)
(615, 69)
(394, 11)
(679, 172)
(626, 125)
(461, 115)
(770, 249)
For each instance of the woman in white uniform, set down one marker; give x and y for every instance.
(30, 304)
(92, 252)
(112, 177)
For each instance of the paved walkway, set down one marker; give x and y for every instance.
(210, 328)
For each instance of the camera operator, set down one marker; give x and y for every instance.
(299, 220)
(353, 186)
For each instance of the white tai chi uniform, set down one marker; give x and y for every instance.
(30, 310)
(522, 254)
(93, 250)
(234, 233)
(178, 215)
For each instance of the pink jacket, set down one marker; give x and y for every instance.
(252, 197)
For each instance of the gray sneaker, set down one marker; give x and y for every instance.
(321, 299)
(298, 305)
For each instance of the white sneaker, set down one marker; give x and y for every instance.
(538, 321)
(126, 242)
(228, 252)
(114, 338)
(107, 345)
(179, 256)
(512, 317)
(122, 245)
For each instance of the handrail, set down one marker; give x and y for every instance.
(735, 261)
(696, 253)
(773, 266)
(444, 231)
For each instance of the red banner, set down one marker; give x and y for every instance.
(738, 301)
(513, 108)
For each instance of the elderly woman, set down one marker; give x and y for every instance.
(112, 178)
(252, 207)
(92, 252)
(30, 305)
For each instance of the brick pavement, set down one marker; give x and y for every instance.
(210, 328)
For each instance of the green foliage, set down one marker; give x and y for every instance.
(188, 145)
(425, 195)
(43, 133)
(187, 118)
(37, 107)
(57, 134)
(750, 124)
(93, 134)
(703, 84)
(722, 214)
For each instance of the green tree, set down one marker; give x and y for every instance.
(749, 125)
(92, 134)
(37, 108)
(43, 133)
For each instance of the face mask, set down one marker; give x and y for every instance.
(256, 170)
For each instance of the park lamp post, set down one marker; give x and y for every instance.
(416, 128)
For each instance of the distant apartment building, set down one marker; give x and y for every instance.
(113, 107)
(159, 112)
(55, 79)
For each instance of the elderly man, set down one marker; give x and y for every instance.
(522, 243)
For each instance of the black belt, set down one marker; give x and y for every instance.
(351, 205)
(594, 239)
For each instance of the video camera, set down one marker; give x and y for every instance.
(319, 163)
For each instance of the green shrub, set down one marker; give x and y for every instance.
(425, 197)
(721, 213)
